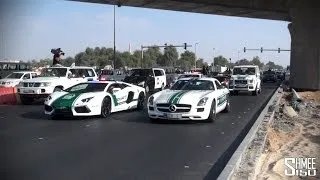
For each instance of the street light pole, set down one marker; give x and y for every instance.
(238, 55)
(213, 56)
(195, 56)
(114, 37)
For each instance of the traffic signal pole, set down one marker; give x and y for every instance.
(165, 46)
(261, 49)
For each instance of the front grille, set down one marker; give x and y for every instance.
(31, 84)
(82, 109)
(181, 108)
(240, 81)
(177, 111)
(177, 105)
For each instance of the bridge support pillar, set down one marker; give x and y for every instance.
(305, 48)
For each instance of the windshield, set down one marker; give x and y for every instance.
(15, 76)
(106, 72)
(87, 87)
(179, 84)
(188, 76)
(54, 72)
(244, 71)
(198, 85)
(141, 72)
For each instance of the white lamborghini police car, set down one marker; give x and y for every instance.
(190, 99)
(95, 98)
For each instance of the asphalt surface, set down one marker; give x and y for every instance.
(125, 146)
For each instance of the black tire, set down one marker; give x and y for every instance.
(106, 107)
(255, 92)
(212, 115)
(141, 99)
(235, 92)
(26, 100)
(57, 89)
(228, 107)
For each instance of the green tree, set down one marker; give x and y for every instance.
(256, 61)
(242, 62)
(67, 61)
(170, 56)
(136, 58)
(271, 65)
(186, 60)
(200, 62)
(151, 56)
(220, 61)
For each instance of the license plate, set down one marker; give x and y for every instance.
(174, 116)
(241, 86)
(28, 91)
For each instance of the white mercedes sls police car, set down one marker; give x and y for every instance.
(95, 98)
(195, 99)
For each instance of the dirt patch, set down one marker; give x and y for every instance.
(308, 95)
(291, 137)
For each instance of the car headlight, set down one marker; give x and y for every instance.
(141, 83)
(45, 84)
(151, 100)
(9, 82)
(203, 101)
(86, 99)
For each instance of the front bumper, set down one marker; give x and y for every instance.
(82, 110)
(246, 87)
(195, 113)
(35, 91)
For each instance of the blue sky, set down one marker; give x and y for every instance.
(31, 28)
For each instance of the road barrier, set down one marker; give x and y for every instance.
(9, 95)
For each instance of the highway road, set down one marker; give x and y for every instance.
(125, 146)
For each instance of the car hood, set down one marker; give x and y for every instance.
(180, 96)
(65, 99)
(43, 79)
(10, 80)
(135, 79)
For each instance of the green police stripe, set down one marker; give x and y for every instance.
(173, 96)
(176, 98)
(180, 96)
(65, 100)
(222, 99)
(115, 101)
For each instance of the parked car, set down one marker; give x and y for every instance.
(54, 79)
(95, 98)
(13, 79)
(223, 79)
(106, 75)
(198, 99)
(269, 76)
(150, 78)
(245, 78)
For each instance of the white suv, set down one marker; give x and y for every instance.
(54, 79)
(245, 78)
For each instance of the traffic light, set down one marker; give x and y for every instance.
(278, 50)
(185, 46)
(261, 49)
(244, 49)
(166, 46)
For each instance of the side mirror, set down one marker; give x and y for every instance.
(114, 90)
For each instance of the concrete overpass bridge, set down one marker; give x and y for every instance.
(304, 27)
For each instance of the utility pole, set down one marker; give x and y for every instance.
(213, 56)
(195, 56)
(238, 55)
(114, 37)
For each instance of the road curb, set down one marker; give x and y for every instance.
(266, 116)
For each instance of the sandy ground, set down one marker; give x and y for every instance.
(291, 135)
